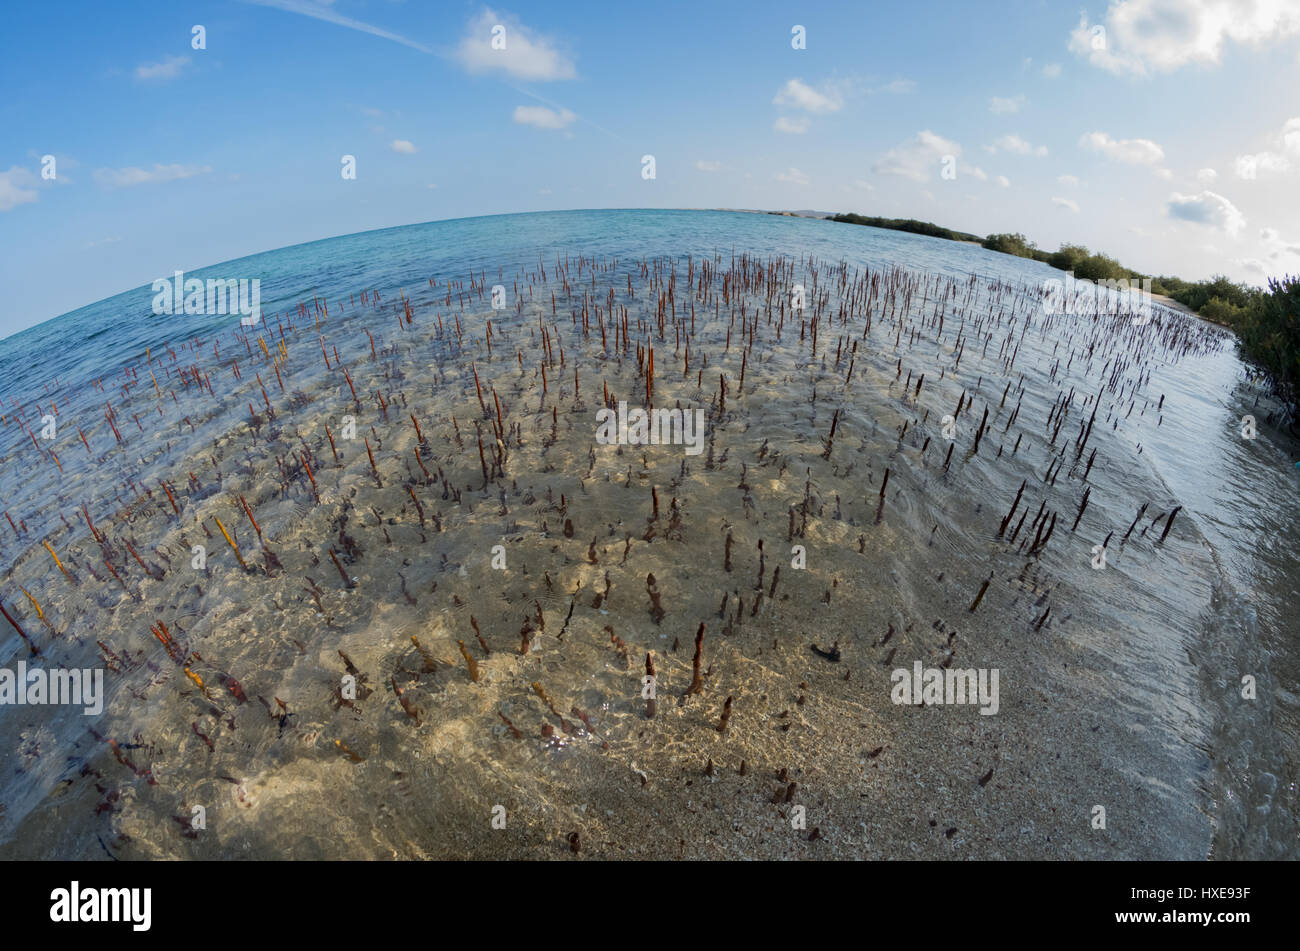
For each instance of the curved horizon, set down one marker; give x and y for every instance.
(352, 234)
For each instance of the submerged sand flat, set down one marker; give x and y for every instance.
(1099, 704)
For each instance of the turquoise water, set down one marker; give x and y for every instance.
(95, 339)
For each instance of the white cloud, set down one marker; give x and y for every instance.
(792, 176)
(975, 172)
(790, 126)
(1206, 176)
(1003, 181)
(1129, 151)
(1142, 36)
(1248, 167)
(15, 188)
(704, 166)
(1004, 106)
(1052, 70)
(918, 157)
(1276, 246)
(1207, 208)
(799, 95)
(1069, 180)
(169, 68)
(126, 177)
(1270, 161)
(543, 118)
(402, 146)
(1014, 143)
(1067, 204)
(527, 55)
(899, 86)
(1291, 136)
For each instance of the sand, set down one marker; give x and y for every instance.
(1098, 699)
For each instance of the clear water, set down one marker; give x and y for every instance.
(1129, 697)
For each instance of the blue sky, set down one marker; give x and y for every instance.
(1170, 139)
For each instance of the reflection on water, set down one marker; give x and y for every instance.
(319, 701)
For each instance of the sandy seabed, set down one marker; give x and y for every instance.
(246, 712)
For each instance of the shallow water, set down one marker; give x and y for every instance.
(1126, 695)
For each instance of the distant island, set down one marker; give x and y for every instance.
(908, 224)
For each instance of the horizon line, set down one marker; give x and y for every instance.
(786, 212)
